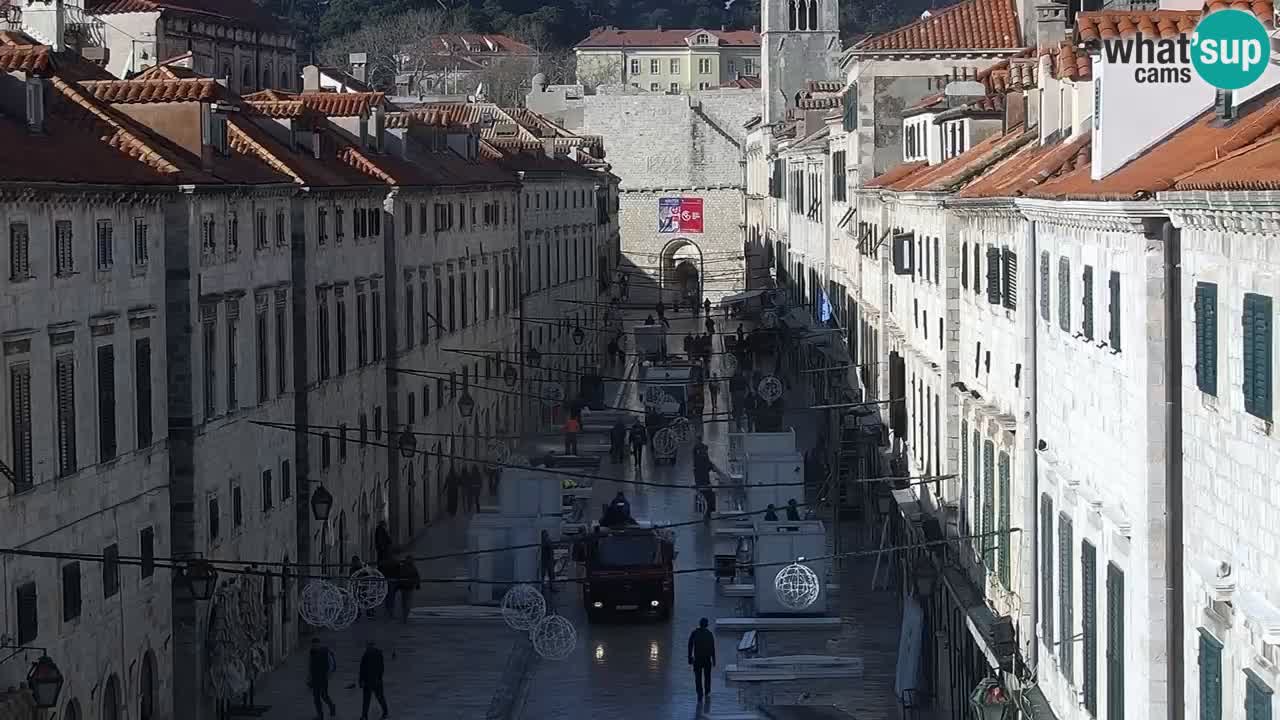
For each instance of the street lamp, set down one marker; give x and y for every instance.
(466, 405)
(534, 357)
(408, 443)
(578, 335)
(509, 376)
(45, 681)
(321, 504)
(199, 578)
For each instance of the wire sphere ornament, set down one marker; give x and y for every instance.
(654, 397)
(500, 452)
(554, 637)
(665, 443)
(519, 460)
(797, 585)
(730, 364)
(553, 392)
(321, 602)
(523, 607)
(682, 429)
(624, 340)
(347, 612)
(769, 319)
(368, 587)
(770, 388)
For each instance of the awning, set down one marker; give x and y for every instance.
(741, 297)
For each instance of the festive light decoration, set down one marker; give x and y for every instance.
(368, 587)
(665, 443)
(320, 603)
(655, 396)
(554, 637)
(797, 585)
(347, 612)
(523, 607)
(682, 429)
(730, 364)
(770, 388)
(553, 392)
(499, 451)
(769, 319)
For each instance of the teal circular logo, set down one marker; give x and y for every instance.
(1230, 49)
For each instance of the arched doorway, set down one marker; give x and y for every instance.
(147, 687)
(111, 699)
(683, 270)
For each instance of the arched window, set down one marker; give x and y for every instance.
(226, 69)
(111, 699)
(147, 688)
(793, 11)
(813, 14)
(284, 79)
(266, 76)
(247, 80)
(72, 711)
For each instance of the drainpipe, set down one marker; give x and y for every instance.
(1172, 239)
(1030, 465)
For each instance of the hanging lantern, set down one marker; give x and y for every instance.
(990, 701)
(201, 578)
(408, 443)
(466, 405)
(534, 357)
(321, 504)
(45, 681)
(509, 376)
(578, 335)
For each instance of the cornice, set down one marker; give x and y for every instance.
(1119, 216)
(987, 207)
(89, 194)
(1252, 212)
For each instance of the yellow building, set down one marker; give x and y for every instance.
(668, 60)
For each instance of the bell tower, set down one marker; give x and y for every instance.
(799, 41)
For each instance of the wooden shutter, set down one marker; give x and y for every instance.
(65, 391)
(110, 570)
(142, 390)
(937, 261)
(1257, 355)
(1206, 314)
(70, 591)
(964, 472)
(20, 425)
(977, 267)
(1044, 285)
(1009, 261)
(1210, 661)
(1086, 301)
(106, 402)
(1115, 643)
(1005, 541)
(988, 501)
(1257, 699)
(1046, 569)
(978, 492)
(1113, 283)
(897, 395)
(1089, 625)
(993, 275)
(964, 266)
(28, 613)
(1064, 294)
(1067, 646)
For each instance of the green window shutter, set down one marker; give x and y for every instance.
(1257, 699)
(978, 492)
(1064, 294)
(964, 469)
(1210, 661)
(1005, 541)
(988, 500)
(1113, 283)
(993, 275)
(1115, 643)
(1044, 285)
(1067, 646)
(1206, 310)
(1009, 263)
(1257, 355)
(964, 266)
(1089, 625)
(1046, 566)
(977, 268)
(1086, 299)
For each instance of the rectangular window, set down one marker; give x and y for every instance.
(233, 234)
(408, 315)
(260, 237)
(1064, 294)
(1210, 661)
(147, 551)
(635, 67)
(282, 229)
(1044, 285)
(105, 247)
(20, 424)
(322, 333)
(268, 495)
(286, 479)
(1113, 336)
(375, 298)
(988, 502)
(339, 224)
(1046, 565)
(106, 360)
(237, 506)
(281, 345)
(438, 291)
(261, 335)
(1257, 698)
(453, 303)
(995, 275)
(1066, 595)
(71, 601)
(704, 66)
(322, 225)
(1086, 299)
(1256, 352)
(1004, 539)
(340, 312)
(209, 332)
(141, 249)
(64, 369)
(110, 570)
(19, 251)
(674, 65)
(28, 611)
(654, 67)
(977, 268)
(362, 329)
(1206, 317)
(208, 240)
(464, 316)
(233, 354)
(1089, 625)
(1115, 643)
(64, 250)
(326, 452)
(424, 299)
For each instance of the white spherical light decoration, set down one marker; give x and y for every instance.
(682, 429)
(730, 364)
(347, 612)
(797, 586)
(665, 443)
(368, 587)
(654, 397)
(320, 604)
(554, 637)
(770, 388)
(523, 607)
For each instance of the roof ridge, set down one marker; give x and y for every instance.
(999, 150)
(352, 155)
(941, 20)
(143, 151)
(1053, 162)
(243, 142)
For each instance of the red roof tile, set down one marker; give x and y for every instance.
(927, 103)
(950, 175)
(68, 153)
(895, 174)
(478, 44)
(16, 38)
(611, 37)
(967, 25)
(1109, 24)
(1067, 62)
(743, 82)
(1030, 166)
(1013, 73)
(235, 12)
(30, 58)
(341, 104)
(154, 91)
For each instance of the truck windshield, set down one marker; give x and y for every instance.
(628, 551)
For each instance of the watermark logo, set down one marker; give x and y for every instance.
(1229, 50)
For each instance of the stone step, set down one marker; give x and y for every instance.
(743, 624)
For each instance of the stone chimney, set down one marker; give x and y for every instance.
(35, 104)
(549, 146)
(1051, 24)
(359, 63)
(311, 79)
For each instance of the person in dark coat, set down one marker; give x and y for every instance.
(771, 513)
(714, 388)
(711, 325)
(793, 510)
(661, 310)
(706, 305)
(356, 565)
(382, 541)
(619, 352)
(548, 561)
(372, 667)
(649, 320)
(618, 441)
(320, 665)
(688, 345)
(451, 490)
(742, 334)
(612, 350)
(391, 571)
(702, 656)
(408, 581)
(639, 438)
(702, 467)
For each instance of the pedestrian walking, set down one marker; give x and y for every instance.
(611, 350)
(702, 656)
(688, 345)
(649, 320)
(474, 483)
(356, 565)
(661, 309)
(702, 468)
(571, 429)
(706, 306)
(548, 563)
(639, 437)
(624, 285)
(372, 667)
(711, 326)
(714, 387)
(391, 571)
(409, 581)
(742, 335)
(320, 665)
(382, 541)
(793, 511)
(617, 441)
(621, 354)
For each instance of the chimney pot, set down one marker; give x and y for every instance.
(549, 146)
(311, 79)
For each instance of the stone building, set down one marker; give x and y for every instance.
(667, 60)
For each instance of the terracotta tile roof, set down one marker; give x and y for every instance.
(1109, 24)
(270, 95)
(823, 86)
(299, 164)
(81, 108)
(154, 91)
(425, 116)
(1014, 73)
(35, 59)
(1194, 152)
(1067, 62)
(478, 44)
(538, 161)
(989, 105)
(341, 104)
(1256, 167)
(967, 25)
(954, 173)
(21, 52)
(16, 38)
(234, 12)
(171, 69)
(611, 37)
(1032, 165)
(743, 82)
(928, 103)
(895, 174)
(819, 103)
(279, 109)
